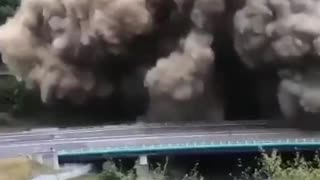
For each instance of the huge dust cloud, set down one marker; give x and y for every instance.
(286, 35)
(66, 49)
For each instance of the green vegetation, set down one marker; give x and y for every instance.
(15, 98)
(9, 93)
(270, 167)
(160, 172)
(7, 8)
(273, 167)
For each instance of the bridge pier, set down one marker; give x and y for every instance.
(142, 167)
(143, 160)
(49, 159)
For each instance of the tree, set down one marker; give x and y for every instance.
(7, 8)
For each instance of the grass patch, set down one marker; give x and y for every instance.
(21, 168)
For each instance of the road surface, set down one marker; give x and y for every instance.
(154, 138)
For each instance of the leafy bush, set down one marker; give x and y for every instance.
(270, 167)
(111, 172)
(273, 167)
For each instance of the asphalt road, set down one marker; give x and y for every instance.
(152, 138)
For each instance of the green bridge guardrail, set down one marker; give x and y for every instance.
(198, 147)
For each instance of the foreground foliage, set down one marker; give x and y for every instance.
(111, 172)
(270, 167)
(273, 167)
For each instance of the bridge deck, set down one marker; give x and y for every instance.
(156, 138)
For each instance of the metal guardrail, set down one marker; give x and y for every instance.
(200, 147)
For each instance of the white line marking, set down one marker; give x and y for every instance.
(93, 136)
(124, 139)
(129, 127)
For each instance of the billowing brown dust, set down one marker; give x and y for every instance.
(283, 34)
(56, 45)
(73, 49)
(64, 47)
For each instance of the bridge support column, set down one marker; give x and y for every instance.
(142, 167)
(143, 160)
(38, 158)
(49, 159)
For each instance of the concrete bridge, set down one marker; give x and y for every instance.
(147, 139)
